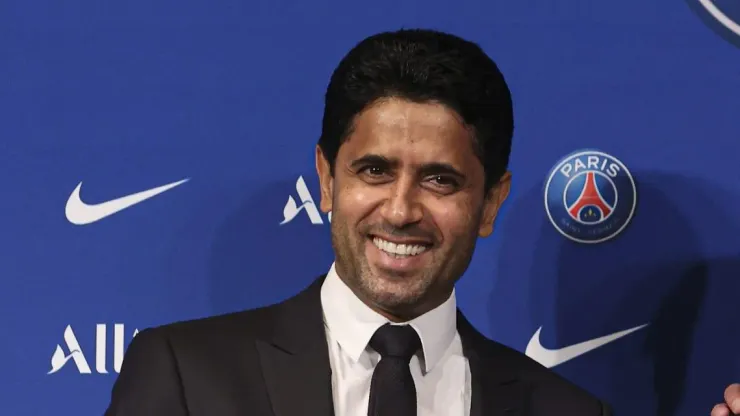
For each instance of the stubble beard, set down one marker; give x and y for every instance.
(401, 296)
(356, 272)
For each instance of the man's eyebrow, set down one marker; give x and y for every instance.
(373, 159)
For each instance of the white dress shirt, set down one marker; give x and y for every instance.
(441, 373)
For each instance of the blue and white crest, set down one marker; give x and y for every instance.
(722, 16)
(590, 196)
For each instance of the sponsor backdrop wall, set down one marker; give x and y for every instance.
(623, 222)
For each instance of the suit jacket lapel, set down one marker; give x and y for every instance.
(295, 363)
(295, 357)
(496, 389)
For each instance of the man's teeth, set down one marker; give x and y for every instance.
(399, 250)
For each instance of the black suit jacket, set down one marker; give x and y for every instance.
(274, 361)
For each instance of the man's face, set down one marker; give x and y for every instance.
(408, 203)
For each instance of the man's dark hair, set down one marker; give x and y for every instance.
(423, 66)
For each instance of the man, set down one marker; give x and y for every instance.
(731, 406)
(412, 163)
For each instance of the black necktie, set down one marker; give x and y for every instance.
(392, 390)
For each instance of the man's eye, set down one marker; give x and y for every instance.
(375, 174)
(374, 171)
(444, 180)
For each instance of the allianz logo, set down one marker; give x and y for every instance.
(70, 351)
(307, 205)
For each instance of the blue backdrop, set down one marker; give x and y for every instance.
(123, 97)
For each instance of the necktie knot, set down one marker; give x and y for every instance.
(398, 341)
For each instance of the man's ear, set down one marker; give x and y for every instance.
(494, 199)
(326, 180)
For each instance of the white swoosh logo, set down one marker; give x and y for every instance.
(550, 358)
(721, 17)
(80, 213)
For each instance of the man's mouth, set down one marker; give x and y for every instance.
(398, 249)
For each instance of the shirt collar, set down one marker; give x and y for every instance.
(352, 323)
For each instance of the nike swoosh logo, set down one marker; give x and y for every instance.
(550, 358)
(80, 213)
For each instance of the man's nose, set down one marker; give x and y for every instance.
(402, 206)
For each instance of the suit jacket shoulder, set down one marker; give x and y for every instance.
(540, 390)
(210, 366)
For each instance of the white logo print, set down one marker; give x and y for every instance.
(721, 17)
(60, 358)
(292, 209)
(551, 358)
(80, 213)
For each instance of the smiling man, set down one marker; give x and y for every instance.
(408, 199)
(412, 162)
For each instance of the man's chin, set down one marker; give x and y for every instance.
(391, 291)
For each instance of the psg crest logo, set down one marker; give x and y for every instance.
(590, 196)
(723, 16)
